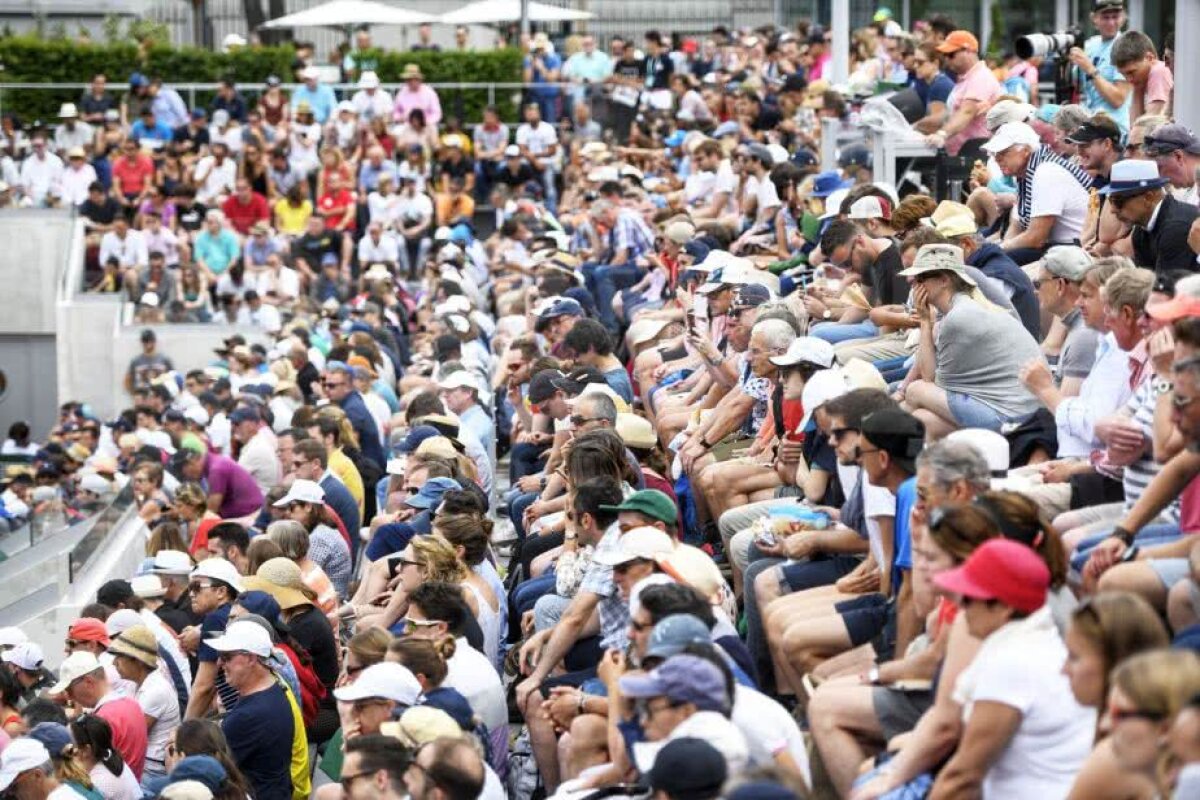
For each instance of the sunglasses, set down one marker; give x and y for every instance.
(196, 588)
(1119, 715)
(577, 421)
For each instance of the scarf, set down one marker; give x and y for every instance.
(1025, 185)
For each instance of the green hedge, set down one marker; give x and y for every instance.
(29, 59)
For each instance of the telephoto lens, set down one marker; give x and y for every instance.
(1037, 45)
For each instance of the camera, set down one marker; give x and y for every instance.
(1036, 45)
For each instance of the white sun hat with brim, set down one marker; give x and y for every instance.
(243, 636)
(302, 491)
(171, 562)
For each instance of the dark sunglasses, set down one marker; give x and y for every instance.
(196, 588)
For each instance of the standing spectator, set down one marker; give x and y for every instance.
(538, 140)
(229, 100)
(415, 95)
(425, 38)
(168, 106)
(319, 98)
(1133, 54)
(541, 69)
(657, 69)
(976, 89)
(96, 100)
(261, 727)
(587, 68)
(148, 365)
(1104, 87)
(931, 85)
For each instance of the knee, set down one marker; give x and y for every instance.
(1116, 579)
(766, 589)
(822, 711)
(588, 730)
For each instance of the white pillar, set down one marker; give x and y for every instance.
(985, 26)
(1137, 14)
(1187, 61)
(840, 28)
(906, 14)
(1062, 14)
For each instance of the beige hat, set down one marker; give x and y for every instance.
(280, 577)
(695, 568)
(420, 725)
(948, 208)
(957, 225)
(186, 790)
(679, 231)
(636, 432)
(939, 258)
(147, 586)
(411, 71)
(137, 643)
(438, 447)
(646, 330)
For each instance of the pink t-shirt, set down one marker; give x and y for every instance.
(128, 722)
(978, 84)
(1159, 85)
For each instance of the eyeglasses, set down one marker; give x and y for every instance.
(837, 433)
(406, 562)
(420, 623)
(1119, 715)
(196, 588)
(577, 421)
(1179, 403)
(412, 489)
(224, 657)
(333, 384)
(859, 452)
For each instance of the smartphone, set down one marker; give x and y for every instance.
(394, 563)
(691, 320)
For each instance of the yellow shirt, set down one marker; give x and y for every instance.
(290, 219)
(341, 466)
(301, 781)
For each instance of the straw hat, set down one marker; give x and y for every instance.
(280, 578)
(138, 643)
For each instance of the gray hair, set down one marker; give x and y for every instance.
(600, 208)
(1070, 117)
(777, 334)
(951, 462)
(777, 309)
(1188, 287)
(601, 405)
(1129, 287)
(291, 536)
(1104, 268)
(341, 368)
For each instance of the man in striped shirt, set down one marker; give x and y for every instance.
(630, 240)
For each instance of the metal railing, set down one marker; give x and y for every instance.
(189, 91)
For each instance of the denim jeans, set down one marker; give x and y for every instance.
(551, 188)
(525, 460)
(835, 332)
(516, 511)
(1149, 536)
(608, 279)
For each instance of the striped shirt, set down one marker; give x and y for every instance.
(1025, 184)
(633, 235)
(1139, 474)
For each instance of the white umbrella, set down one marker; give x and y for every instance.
(347, 13)
(487, 11)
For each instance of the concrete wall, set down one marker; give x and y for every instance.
(27, 371)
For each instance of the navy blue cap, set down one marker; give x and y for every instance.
(414, 437)
(804, 158)
(751, 295)
(688, 769)
(697, 249)
(260, 603)
(244, 414)
(205, 769)
(431, 492)
(54, 737)
(453, 703)
(561, 307)
(199, 113)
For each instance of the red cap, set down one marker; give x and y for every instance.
(959, 40)
(1176, 308)
(1003, 570)
(88, 629)
(689, 46)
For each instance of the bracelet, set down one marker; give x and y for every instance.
(580, 709)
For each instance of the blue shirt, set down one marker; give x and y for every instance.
(320, 99)
(219, 251)
(935, 92)
(169, 108)
(551, 62)
(159, 131)
(618, 381)
(1100, 52)
(368, 175)
(259, 731)
(906, 498)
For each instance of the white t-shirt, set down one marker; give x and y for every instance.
(64, 792)
(539, 140)
(158, 699)
(877, 502)
(114, 787)
(1056, 193)
(768, 728)
(218, 178)
(1020, 665)
(699, 188)
(384, 251)
(767, 196)
(475, 678)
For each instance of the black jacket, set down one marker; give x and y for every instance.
(1165, 248)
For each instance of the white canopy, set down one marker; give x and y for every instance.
(344, 13)
(486, 11)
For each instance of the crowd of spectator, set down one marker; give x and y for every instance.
(626, 450)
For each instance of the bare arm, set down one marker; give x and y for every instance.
(1036, 235)
(990, 729)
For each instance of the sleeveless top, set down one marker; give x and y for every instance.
(489, 624)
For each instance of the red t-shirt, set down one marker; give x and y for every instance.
(242, 216)
(333, 206)
(128, 723)
(1189, 507)
(134, 177)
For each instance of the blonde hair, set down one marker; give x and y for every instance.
(166, 535)
(1159, 682)
(346, 433)
(1129, 287)
(439, 558)
(192, 496)
(370, 645)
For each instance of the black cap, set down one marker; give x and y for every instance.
(794, 83)
(114, 593)
(897, 432)
(541, 386)
(1094, 131)
(148, 335)
(688, 769)
(750, 295)
(1104, 5)
(573, 382)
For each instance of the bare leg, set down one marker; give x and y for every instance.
(543, 741)
(1137, 577)
(807, 644)
(1180, 610)
(840, 716)
(589, 744)
(925, 396)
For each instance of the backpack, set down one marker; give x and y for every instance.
(312, 691)
(523, 777)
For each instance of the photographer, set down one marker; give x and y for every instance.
(1104, 88)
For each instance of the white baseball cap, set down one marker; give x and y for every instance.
(25, 655)
(122, 620)
(870, 207)
(459, 379)
(806, 349)
(388, 680)
(196, 414)
(20, 756)
(302, 491)
(1011, 134)
(95, 484)
(243, 635)
(11, 636)
(77, 665)
(820, 389)
(644, 542)
(368, 80)
(218, 569)
(172, 562)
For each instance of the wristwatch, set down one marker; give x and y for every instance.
(1123, 534)
(827, 314)
(570, 537)
(1162, 386)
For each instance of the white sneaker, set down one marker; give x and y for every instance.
(503, 531)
